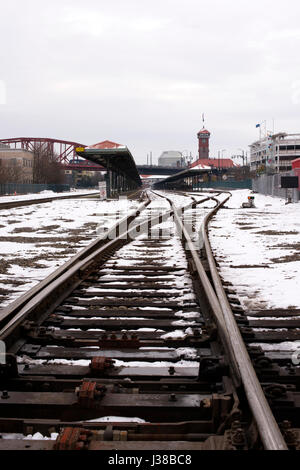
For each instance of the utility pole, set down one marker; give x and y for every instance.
(243, 156)
(224, 150)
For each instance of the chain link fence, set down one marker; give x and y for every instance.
(270, 185)
(225, 184)
(27, 188)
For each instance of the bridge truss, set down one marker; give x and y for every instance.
(63, 150)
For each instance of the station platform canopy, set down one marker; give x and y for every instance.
(182, 175)
(114, 157)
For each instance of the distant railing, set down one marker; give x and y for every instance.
(25, 188)
(271, 185)
(228, 184)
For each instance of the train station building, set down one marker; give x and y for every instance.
(203, 154)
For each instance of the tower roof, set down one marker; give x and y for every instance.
(203, 131)
(106, 144)
(214, 162)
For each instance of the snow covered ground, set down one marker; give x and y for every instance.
(258, 250)
(35, 240)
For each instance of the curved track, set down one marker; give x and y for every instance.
(137, 327)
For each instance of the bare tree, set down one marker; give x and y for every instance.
(10, 172)
(46, 169)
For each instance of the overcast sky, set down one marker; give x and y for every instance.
(141, 73)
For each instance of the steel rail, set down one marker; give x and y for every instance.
(76, 270)
(29, 202)
(13, 315)
(8, 313)
(234, 345)
(267, 426)
(21, 307)
(210, 293)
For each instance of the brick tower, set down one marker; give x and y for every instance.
(203, 140)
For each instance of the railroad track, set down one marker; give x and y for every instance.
(29, 202)
(138, 327)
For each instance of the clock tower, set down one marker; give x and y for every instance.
(203, 143)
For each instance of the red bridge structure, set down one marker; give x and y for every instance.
(63, 151)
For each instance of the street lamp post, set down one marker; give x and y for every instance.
(224, 150)
(220, 157)
(243, 157)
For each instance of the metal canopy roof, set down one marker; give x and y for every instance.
(118, 159)
(184, 174)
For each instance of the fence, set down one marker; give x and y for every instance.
(24, 188)
(227, 184)
(271, 185)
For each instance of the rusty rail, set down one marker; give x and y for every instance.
(63, 282)
(267, 425)
(15, 312)
(241, 365)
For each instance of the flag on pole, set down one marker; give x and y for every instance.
(257, 125)
(203, 117)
